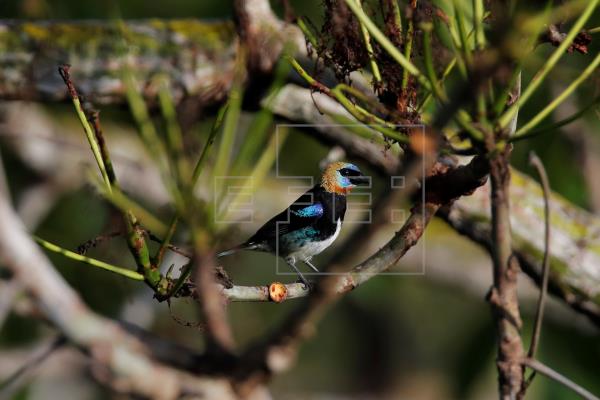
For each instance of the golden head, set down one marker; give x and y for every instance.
(341, 177)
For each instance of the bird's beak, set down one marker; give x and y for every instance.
(359, 180)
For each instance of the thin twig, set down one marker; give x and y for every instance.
(535, 161)
(175, 249)
(166, 242)
(503, 296)
(92, 243)
(34, 362)
(9, 292)
(563, 380)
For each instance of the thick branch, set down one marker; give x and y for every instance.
(197, 56)
(574, 245)
(319, 116)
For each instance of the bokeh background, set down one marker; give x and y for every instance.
(421, 336)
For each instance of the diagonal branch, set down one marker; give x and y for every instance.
(109, 345)
(552, 374)
(574, 252)
(277, 352)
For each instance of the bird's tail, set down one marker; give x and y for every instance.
(233, 250)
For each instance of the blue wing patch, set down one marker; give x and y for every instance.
(314, 210)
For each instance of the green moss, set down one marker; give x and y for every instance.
(152, 37)
(76, 35)
(10, 40)
(210, 35)
(574, 226)
(158, 24)
(557, 266)
(35, 31)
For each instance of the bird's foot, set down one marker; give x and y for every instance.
(306, 284)
(310, 264)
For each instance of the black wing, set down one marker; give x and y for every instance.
(305, 211)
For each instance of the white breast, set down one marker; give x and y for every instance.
(312, 249)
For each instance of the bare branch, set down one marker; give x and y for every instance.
(35, 359)
(555, 38)
(552, 374)
(218, 331)
(574, 252)
(263, 34)
(537, 164)
(539, 316)
(8, 293)
(318, 115)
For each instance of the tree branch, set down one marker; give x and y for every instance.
(198, 56)
(537, 164)
(552, 374)
(574, 245)
(131, 369)
(503, 296)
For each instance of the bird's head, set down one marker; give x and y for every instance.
(341, 177)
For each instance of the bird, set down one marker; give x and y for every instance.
(310, 224)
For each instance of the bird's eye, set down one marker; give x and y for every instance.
(348, 172)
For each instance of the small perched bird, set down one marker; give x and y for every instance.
(311, 224)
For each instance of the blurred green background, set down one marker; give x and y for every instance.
(397, 337)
